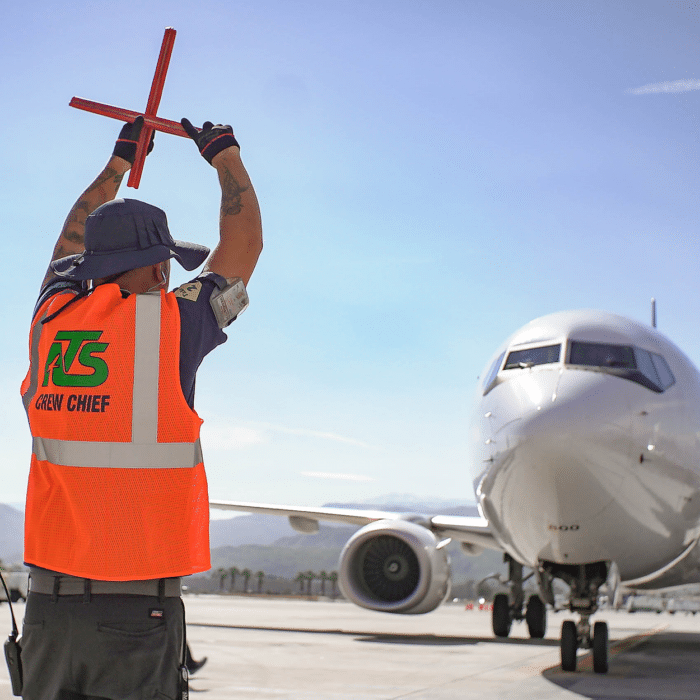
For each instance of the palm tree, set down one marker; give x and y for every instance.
(324, 577)
(261, 576)
(301, 577)
(333, 578)
(310, 576)
(222, 578)
(246, 573)
(234, 572)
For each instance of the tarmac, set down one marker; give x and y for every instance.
(294, 649)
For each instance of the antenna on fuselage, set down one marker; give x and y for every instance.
(653, 312)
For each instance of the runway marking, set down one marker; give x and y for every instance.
(585, 662)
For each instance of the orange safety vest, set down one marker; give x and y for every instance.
(117, 489)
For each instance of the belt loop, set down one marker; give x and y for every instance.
(161, 591)
(56, 588)
(87, 590)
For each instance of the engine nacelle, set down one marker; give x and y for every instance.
(395, 566)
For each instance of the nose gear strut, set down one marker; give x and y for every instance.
(584, 581)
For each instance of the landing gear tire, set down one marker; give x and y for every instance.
(600, 647)
(536, 617)
(501, 619)
(569, 644)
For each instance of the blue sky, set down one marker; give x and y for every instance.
(431, 177)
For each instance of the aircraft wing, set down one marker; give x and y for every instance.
(467, 530)
(473, 531)
(306, 519)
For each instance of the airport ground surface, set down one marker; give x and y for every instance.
(290, 649)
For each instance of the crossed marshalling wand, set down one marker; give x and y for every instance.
(152, 122)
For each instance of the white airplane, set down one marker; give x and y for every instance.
(586, 468)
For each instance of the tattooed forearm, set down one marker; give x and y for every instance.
(59, 251)
(108, 181)
(103, 189)
(231, 191)
(75, 222)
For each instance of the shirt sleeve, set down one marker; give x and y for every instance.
(199, 329)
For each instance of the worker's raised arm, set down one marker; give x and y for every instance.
(240, 226)
(104, 189)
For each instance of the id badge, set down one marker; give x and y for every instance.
(228, 303)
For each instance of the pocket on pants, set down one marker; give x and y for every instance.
(134, 630)
(129, 659)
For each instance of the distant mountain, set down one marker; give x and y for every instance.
(277, 560)
(248, 529)
(11, 535)
(328, 537)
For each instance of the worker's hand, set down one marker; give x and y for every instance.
(125, 147)
(212, 139)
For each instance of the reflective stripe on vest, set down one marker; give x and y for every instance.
(118, 455)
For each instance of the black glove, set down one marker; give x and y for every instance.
(211, 139)
(125, 147)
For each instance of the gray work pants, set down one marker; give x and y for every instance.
(112, 647)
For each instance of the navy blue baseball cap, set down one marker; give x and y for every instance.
(125, 234)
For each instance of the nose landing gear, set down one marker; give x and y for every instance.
(579, 636)
(584, 581)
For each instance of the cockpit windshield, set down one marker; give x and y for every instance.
(602, 355)
(544, 355)
(626, 361)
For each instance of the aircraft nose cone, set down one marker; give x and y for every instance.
(558, 465)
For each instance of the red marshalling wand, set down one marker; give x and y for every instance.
(151, 121)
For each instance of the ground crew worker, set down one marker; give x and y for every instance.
(117, 505)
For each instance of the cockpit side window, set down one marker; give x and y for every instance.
(544, 355)
(666, 377)
(646, 366)
(625, 361)
(493, 373)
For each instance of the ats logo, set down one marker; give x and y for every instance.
(62, 356)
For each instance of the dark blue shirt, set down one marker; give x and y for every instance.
(199, 330)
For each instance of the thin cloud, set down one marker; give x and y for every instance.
(341, 477)
(672, 86)
(219, 436)
(305, 432)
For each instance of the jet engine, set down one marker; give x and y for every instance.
(395, 566)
